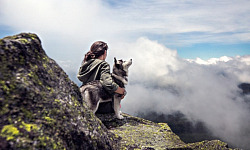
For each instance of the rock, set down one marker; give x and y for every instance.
(180, 125)
(245, 87)
(138, 133)
(41, 108)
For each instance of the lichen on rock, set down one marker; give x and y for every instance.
(9, 131)
(138, 133)
(41, 107)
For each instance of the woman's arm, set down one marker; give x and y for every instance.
(107, 81)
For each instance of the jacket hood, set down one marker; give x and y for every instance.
(88, 68)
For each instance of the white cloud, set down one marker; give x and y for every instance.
(170, 17)
(161, 81)
(244, 59)
(211, 60)
(84, 20)
(68, 28)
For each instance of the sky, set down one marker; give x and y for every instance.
(188, 55)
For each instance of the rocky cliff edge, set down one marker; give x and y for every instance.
(41, 108)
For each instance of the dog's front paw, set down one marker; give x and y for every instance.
(120, 117)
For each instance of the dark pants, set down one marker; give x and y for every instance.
(105, 108)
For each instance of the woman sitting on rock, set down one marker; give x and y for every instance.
(94, 67)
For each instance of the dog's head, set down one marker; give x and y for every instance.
(121, 67)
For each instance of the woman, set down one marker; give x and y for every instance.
(94, 67)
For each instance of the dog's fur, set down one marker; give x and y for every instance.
(94, 93)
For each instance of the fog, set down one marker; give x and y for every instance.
(206, 91)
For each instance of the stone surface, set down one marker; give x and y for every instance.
(138, 133)
(41, 107)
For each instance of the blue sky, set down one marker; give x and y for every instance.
(194, 28)
(213, 50)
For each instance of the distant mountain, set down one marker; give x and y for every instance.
(245, 87)
(188, 131)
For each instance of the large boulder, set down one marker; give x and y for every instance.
(40, 107)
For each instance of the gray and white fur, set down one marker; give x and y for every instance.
(94, 93)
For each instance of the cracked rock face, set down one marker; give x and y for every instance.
(138, 133)
(41, 107)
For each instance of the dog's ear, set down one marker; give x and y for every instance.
(117, 65)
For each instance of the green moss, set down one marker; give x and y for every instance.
(29, 127)
(4, 109)
(214, 144)
(46, 59)
(33, 36)
(5, 87)
(10, 119)
(138, 133)
(57, 100)
(55, 146)
(49, 120)
(47, 141)
(164, 127)
(45, 66)
(35, 77)
(44, 140)
(51, 90)
(48, 88)
(31, 74)
(24, 41)
(9, 131)
(50, 71)
(35, 67)
(74, 99)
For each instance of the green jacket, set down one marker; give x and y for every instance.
(96, 69)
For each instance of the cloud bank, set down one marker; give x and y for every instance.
(204, 91)
(68, 28)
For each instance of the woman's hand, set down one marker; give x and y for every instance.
(121, 91)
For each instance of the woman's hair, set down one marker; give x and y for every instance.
(96, 50)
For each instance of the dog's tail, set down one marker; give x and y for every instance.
(84, 92)
(90, 97)
(82, 89)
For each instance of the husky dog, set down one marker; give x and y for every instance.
(93, 92)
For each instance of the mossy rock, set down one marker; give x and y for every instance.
(138, 133)
(40, 107)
